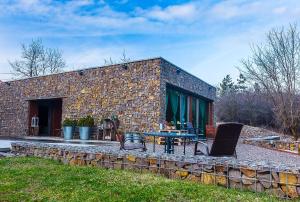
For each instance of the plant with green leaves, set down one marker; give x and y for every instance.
(87, 121)
(70, 122)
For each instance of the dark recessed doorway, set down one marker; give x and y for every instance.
(49, 112)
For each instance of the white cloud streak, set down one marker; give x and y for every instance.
(184, 12)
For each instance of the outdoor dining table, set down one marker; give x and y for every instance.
(169, 139)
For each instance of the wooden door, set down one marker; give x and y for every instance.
(56, 117)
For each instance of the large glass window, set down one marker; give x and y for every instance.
(203, 116)
(182, 108)
(192, 111)
(173, 107)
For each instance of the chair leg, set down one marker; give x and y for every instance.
(195, 149)
(235, 155)
(144, 148)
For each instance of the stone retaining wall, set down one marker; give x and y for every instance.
(226, 172)
(293, 146)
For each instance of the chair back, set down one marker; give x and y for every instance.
(226, 139)
(133, 137)
(190, 128)
(132, 140)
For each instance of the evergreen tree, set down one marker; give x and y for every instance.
(226, 85)
(241, 83)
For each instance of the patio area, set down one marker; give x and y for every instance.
(245, 152)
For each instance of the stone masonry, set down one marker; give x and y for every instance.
(134, 91)
(282, 181)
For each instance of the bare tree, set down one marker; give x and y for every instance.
(109, 61)
(37, 60)
(275, 66)
(248, 107)
(123, 59)
(238, 102)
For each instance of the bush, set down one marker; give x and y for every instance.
(248, 107)
(87, 121)
(70, 122)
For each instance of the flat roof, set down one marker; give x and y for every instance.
(112, 65)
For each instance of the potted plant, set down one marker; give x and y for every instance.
(68, 127)
(85, 124)
(116, 121)
(120, 135)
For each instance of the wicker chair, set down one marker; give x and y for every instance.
(225, 142)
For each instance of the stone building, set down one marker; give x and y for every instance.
(142, 94)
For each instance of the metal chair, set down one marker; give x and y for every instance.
(132, 140)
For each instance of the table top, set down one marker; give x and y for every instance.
(165, 134)
(173, 131)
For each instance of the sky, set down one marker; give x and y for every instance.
(207, 38)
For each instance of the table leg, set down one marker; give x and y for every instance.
(184, 146)
(153, 143)
(166, 144)
(169, 145)
(172, 145)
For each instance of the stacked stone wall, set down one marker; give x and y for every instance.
(280, 181)
(134, 91)
(131, 92)
(9, 119)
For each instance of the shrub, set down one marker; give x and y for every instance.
(87, 121)
(252, 108)
(69, 122)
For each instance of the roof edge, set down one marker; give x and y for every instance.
(112, 65)
(89, 68)
(187, 72)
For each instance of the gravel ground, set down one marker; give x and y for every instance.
(250, 152)
(244, 152)
(254, 132)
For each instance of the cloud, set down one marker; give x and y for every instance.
(94, 57)
(280, 10)
(184, 12)
(87, 17)
(226, 10)
(231, 9)
(173, 30)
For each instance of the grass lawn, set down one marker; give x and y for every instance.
(28, 179)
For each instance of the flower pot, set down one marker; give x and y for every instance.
(84, 132)
(68, 132)
(136, 138)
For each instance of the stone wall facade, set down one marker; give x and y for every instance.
(134, 91)
(280, 181)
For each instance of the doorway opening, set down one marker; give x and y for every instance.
(49, 113)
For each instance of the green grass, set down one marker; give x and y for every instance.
(34, 179)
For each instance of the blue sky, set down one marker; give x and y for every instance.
(207, 38)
